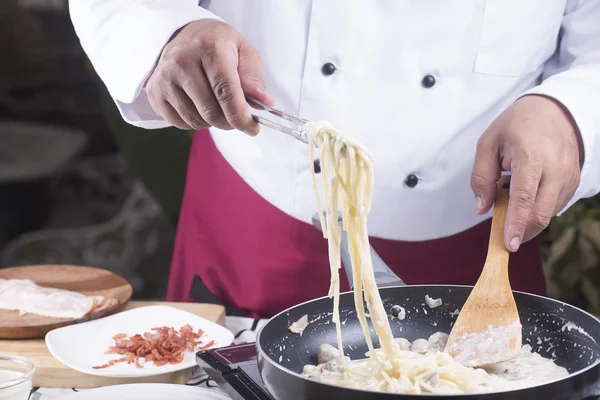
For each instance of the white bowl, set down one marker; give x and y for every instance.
(82, 346)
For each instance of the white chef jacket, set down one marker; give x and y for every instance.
(482, 55)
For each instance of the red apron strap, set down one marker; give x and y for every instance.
(257, 259)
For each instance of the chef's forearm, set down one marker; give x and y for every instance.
(123, 39)
(572, 78)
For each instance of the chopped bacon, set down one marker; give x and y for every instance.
(207, 345)
(162, 346)
(156, 355)
(111, 362)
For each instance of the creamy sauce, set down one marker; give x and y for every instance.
(8, 389)
(570, 326)
(479, 347)
(437, 373)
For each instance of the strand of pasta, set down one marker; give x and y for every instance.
(346, 164)
(347, 177)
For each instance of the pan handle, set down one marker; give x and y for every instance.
(384, 276)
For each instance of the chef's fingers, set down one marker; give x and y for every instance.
(197, 87)
(486, 172)
(156, 89)
(250, 71)
(184, 106)
(166, 110)
(524, 184)
(220, 63)
(545, 207)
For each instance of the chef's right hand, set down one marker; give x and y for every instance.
(201, 78)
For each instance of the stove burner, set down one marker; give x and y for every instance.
(235, 370)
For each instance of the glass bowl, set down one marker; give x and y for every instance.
(16, 374)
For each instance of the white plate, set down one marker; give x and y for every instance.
(82, 346)
(146, 391)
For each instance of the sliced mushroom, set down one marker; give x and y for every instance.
(432, 303)
(420, 346)
(404, 344)
(309, 370)
(398, 312)
(326, 353)
(438, 340)
(300, 325)
(335, 365)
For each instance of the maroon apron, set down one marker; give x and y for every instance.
(236, 248)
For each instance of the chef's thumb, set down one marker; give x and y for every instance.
(251, 77)
(485, 175)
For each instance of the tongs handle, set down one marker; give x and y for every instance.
(296, 130)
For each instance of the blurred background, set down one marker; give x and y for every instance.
(79, 186)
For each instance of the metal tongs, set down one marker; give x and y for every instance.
(296, 128)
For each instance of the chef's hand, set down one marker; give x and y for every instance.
(537, 140)
(201, 78)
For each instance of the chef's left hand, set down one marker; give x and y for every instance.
(537, 140)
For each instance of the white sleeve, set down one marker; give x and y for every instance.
(572, 77)
(123, 40)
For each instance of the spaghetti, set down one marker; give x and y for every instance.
(347, 173)
(347, 177)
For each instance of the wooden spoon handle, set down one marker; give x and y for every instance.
(497, 251)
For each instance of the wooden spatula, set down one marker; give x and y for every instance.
(488, 329)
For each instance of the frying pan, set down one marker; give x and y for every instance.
(282, 355)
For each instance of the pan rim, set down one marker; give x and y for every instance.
(262, 353)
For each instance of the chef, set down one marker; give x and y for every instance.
(445, 95)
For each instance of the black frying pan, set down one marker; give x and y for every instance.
(282, 355)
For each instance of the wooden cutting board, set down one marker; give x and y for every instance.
(52, 373)
(87, 280)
